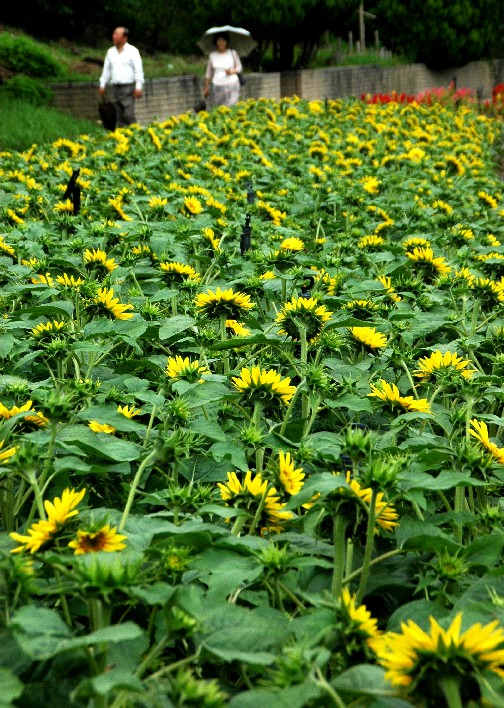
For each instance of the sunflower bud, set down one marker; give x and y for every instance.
(382, 473)
(251, 435)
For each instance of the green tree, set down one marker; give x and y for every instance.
(438, 33)
(283, 23)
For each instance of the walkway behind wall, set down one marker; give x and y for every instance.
(172, 96)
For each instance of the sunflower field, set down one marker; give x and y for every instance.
(251, 411)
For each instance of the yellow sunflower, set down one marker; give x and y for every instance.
(488, 290)
(178, 272)
(480, 432)
(302, 312)
(389, 393)
(237, 328)
(35, 417)
(6, 454)
(105, 539)
(101, 427)
(129, 411)
(47, 329)
(292, 244)
(97, 257)
(63, 508)
(425, 257)
(185, 369)
(417, 660)
(69, 281)
(251, 492)
(290, 478)
(223, 303)
(110, 306)
(358, 619)
(369, 337)
(192, 206)
(385, 513)
(437, 363)
(386, 281)
(264, 386)
(44, 531)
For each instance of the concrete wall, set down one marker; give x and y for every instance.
(171, 96)
(410, 78)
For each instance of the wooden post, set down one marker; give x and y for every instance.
(362, 28)
(350, 42)
(376, 40)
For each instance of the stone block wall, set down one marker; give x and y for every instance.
(172, 96)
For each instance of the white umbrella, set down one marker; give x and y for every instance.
(239, 39)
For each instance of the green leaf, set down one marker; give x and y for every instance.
(156, 594)
(40, 632)
(485, 551)
(209, 428)
(114, 679)
(422, 536)
(39, 620)
(230, 451)
(225, 571)
(58, 308)
(234, 633)
(236, 342)
(11, 687)
(296, 696)
(100, 444)
(115, 633)
(207, 392)
(363, 680)
(325, 444)
(175, 325)
(106, 413)
(419, 611)
(352, 402)
(7, 342)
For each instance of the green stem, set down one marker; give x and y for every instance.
(223, 337)
(312, 418)
(291, 595)
(368, 552)
(133, 488)
(7, 506)
(258, 513)
(321, 681)
(450, 686)
(409, 377)
(358, 571)
(349, 557)
(340, 525)
(39, 502)
(238, 524)
(291, 406)
(259, 460)
(458, 508)
(284, 289)
(149, 426)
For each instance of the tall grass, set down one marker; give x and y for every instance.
(22, 124)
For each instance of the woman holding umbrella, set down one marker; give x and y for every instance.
(222, 71)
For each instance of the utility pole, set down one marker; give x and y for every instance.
(362, 27)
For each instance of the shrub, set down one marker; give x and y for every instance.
(23, 55)
(28, 89)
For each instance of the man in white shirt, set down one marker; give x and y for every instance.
(123, 69)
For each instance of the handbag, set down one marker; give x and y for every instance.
(107, 112)
(200, 106)
(239, 74)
